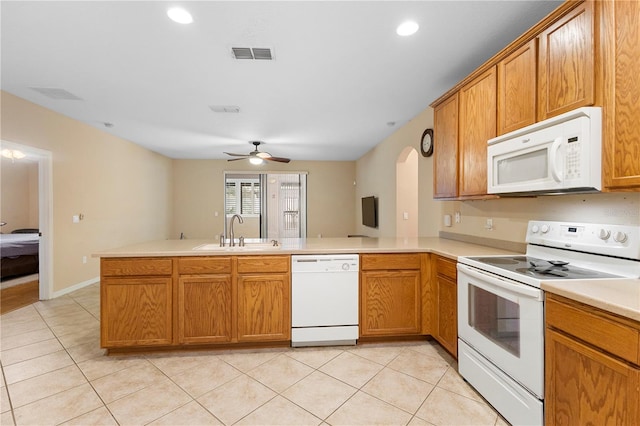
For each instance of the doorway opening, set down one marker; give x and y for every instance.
(272, 205)
(44, 212)
(407, 193)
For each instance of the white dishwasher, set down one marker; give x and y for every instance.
(324, 299)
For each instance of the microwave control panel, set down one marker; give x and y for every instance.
(572, 158)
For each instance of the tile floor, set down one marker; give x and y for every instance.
(54, 372)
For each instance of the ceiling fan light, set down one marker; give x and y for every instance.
(256, 160)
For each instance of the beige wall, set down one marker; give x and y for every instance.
(376, 175)
(19, 199)
(123, 190)
(199, 194)
(510, 215)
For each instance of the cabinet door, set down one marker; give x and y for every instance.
(621, 144)
(517, 89)
(445, 149)
(566, 73)
(446, 329)
(477, 125)
(136, 311)
(390, 303)
(264, 307)
(585, 386)
(204, 309)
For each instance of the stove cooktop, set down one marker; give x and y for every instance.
(540, 268)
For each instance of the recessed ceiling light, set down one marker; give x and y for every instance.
(407, 28)
(179, 15)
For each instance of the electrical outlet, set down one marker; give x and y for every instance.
(489, 224)
(84, 259)
(457, 216)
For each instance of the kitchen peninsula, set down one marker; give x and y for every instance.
(173, 294)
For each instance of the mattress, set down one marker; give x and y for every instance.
(12, 245)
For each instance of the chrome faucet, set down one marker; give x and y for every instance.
(232, 242)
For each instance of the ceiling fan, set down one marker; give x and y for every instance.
(257, 157)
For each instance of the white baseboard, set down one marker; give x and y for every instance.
(75, 287)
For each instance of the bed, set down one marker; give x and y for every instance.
(19, 253)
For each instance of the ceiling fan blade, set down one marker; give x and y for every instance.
(278, 159)
(237, 155)
(237, 159)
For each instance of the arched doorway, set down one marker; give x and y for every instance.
(407, 193)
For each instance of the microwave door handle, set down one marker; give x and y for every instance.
(555, 147)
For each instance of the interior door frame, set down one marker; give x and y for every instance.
(45, 214)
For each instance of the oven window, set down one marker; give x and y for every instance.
(495, 318)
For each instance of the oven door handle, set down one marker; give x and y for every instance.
(514, 288)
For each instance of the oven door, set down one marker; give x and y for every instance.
(503, 321)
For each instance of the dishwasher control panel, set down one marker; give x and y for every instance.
(325, 263)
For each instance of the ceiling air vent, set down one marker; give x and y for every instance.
(262, 53)
(242, 52)
(53, 93)
(225, 108)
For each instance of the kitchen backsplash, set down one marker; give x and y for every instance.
(506, 218)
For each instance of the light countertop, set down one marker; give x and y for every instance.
(441, 246)
(618, 296)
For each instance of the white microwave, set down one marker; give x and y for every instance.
(560, 155)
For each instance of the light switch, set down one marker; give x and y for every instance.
(405, 215)
(447, 220)
(76, 218)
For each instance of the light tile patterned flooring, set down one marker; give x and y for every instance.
(54, 372)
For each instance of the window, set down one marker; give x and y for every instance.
(242, 196)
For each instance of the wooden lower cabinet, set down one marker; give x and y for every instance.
(264, 307)
(205, 300)
(205, 309)
(178, 301)
(136, 311)
(445, 303)
(390, 303)
(592, 372)
(390, 295)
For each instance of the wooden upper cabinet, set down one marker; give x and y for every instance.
(517, 89)
(566, 72)
(621, 52)
(445, 149)
(477, 125)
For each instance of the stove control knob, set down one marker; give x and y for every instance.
(535, 229)
(620, 237)
(604, 234)
(545, 229)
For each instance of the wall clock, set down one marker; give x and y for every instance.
(426, 143)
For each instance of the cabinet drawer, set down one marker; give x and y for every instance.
(204, 265)
(251, 264)
(446, 267)
(136, 266)
(594, 327)
(370, 262)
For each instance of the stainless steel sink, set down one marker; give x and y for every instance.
(249, 246)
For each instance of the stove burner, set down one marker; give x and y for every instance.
(499, 260)
(536, 272)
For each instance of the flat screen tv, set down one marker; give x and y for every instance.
(370, 211)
